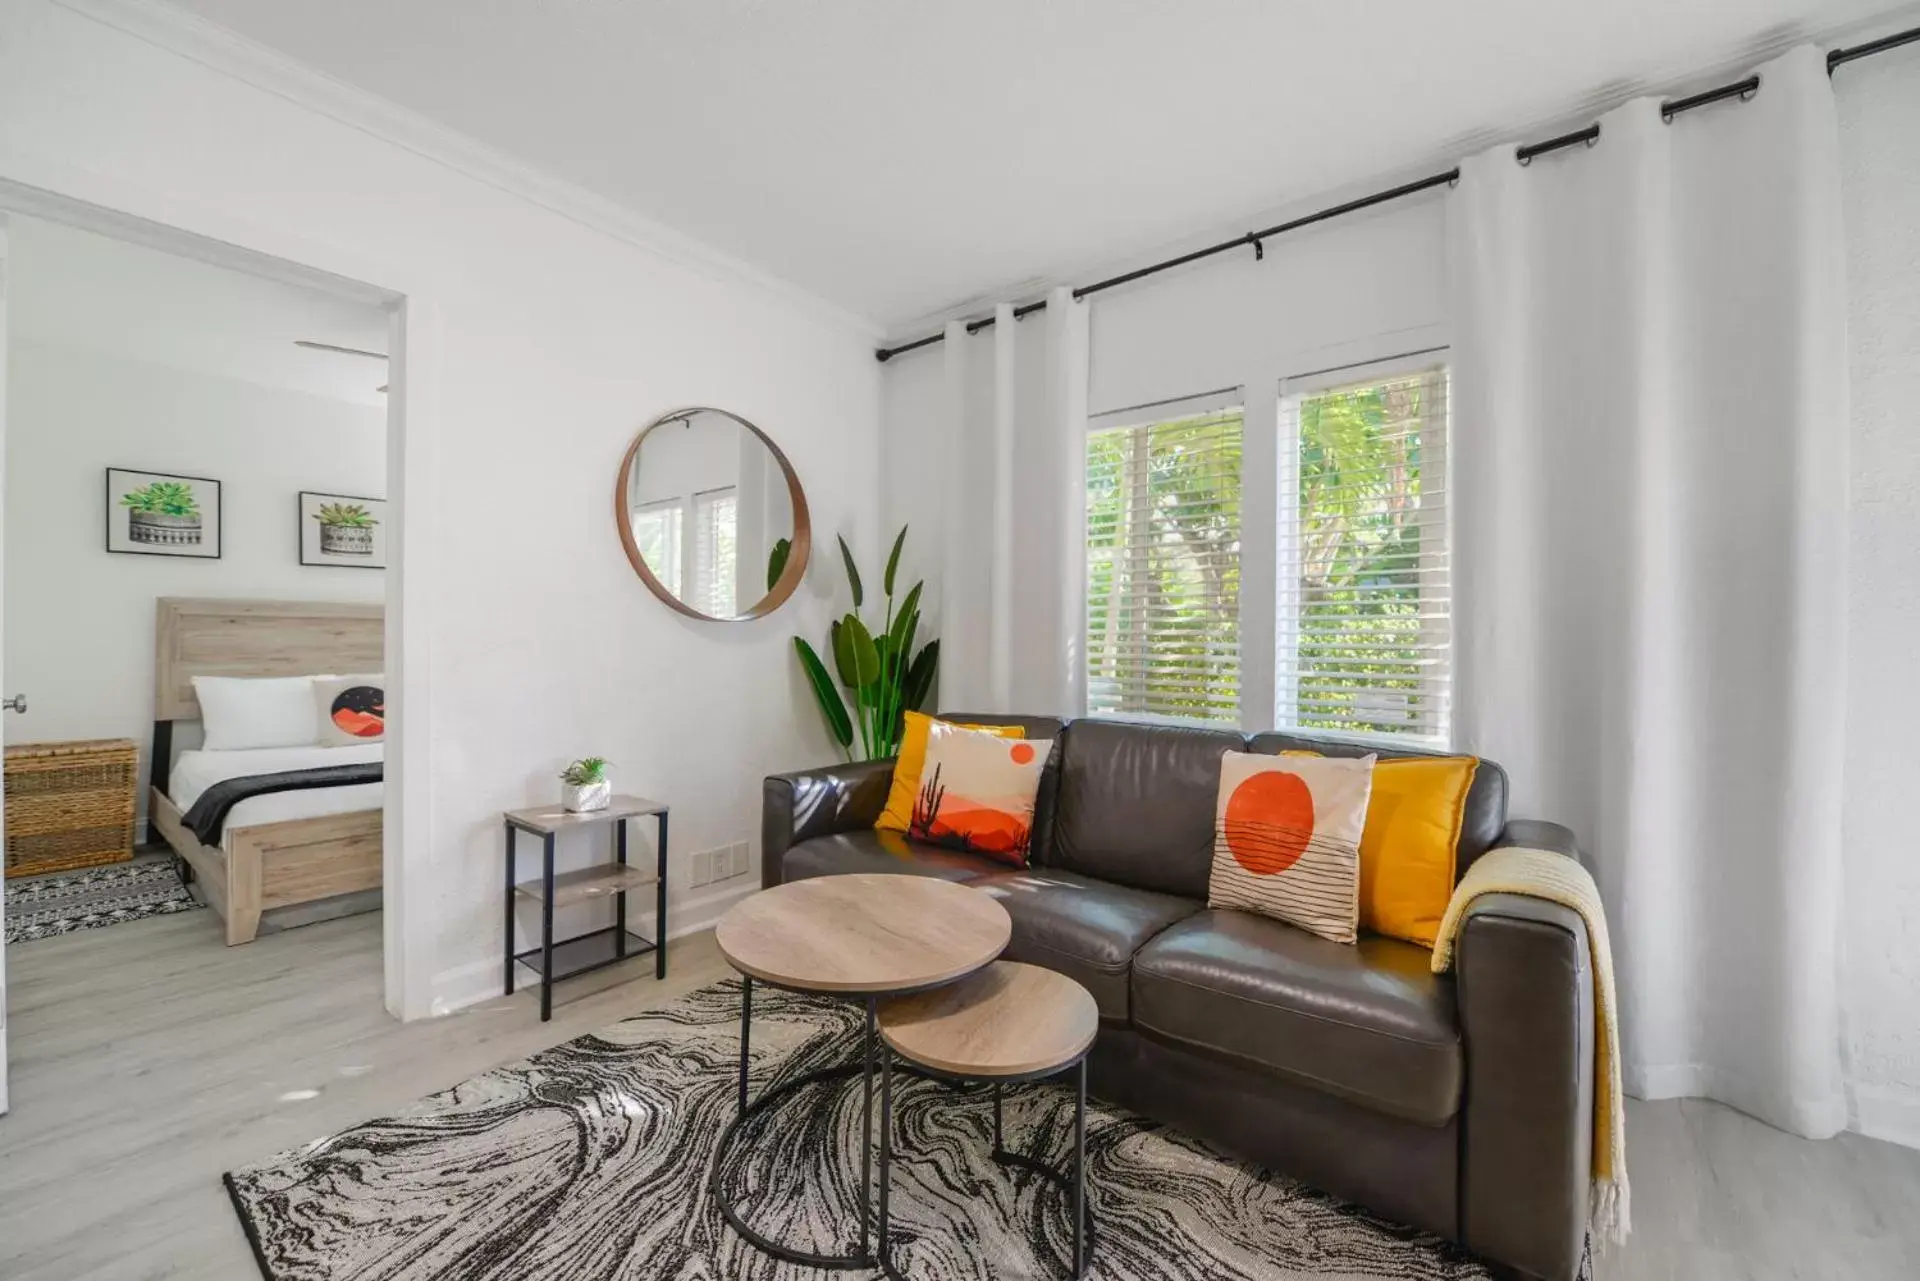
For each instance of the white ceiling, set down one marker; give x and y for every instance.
(78, 289)
(901, 156)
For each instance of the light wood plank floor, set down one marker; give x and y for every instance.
(148, 1059)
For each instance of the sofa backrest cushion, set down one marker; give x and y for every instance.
(1483, 819)
(1136, 803)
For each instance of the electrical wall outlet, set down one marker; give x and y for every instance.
(723, 863)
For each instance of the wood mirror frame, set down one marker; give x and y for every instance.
(802, 535)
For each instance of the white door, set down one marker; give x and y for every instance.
(3, 817)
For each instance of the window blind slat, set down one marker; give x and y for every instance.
(1365, 595)
(1163, 567)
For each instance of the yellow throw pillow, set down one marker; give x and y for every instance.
(1409, 847)
(898, 815)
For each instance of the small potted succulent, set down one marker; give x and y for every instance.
(585, 785)
(346, 529)
(164, 514)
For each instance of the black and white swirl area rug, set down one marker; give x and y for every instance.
(590, 1161)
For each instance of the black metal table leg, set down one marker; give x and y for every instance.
(746, 1032)
(1079, 1170)
(866, 1128)
(660, 905)
(1072, 1183)
(546, 932)
(886, 1159)
(620, 899)
(509, 926)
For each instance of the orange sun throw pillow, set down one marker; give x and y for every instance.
(1287, 839)
(977, 792)
(905, 788)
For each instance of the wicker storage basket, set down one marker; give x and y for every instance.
(69, 805)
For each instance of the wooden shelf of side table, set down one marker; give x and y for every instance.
(557, 959)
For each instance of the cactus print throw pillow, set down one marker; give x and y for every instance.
(977, 792)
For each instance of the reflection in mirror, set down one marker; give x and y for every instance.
(707, 498)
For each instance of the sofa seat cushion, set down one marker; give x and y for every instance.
(1367, 1021)
(865, 850)
(1087, 929)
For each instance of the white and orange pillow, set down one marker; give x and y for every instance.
(1287, 839)
(977, 792)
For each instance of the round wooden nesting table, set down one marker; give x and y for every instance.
(857, 937)
(1007, 1023)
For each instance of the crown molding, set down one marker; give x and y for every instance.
(192, 37)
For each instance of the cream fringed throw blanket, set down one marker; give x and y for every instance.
(1559, 879)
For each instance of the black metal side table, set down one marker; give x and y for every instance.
(557, 959)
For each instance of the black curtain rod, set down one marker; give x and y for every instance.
(1741, 89)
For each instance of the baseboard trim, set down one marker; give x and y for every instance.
(1889, 1114)
(1812, 1118)
(463, 985)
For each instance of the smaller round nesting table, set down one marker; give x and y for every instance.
(1006, 1024)
(858, 937)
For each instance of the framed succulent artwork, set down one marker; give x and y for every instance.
(161, 514)
(340, 529)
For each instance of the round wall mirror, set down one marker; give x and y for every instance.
(712, 516)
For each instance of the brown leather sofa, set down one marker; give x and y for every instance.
(1457, 1103)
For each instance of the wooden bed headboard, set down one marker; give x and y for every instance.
(195, 637)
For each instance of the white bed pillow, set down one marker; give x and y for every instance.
(238, 713)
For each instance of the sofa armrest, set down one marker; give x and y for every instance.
(1538, 834)
(1524, 986)
(818, 802)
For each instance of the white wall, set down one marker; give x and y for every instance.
(79, 620)
(1879, 103)
(540, 331)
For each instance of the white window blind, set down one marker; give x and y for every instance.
(1163, 566)
(656, 528)
(1365, 588)
(713, 552)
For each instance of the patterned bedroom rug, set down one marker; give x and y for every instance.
(589, 1162)
(40, 907)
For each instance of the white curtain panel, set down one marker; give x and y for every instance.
(1013, 581)
(1650, 475)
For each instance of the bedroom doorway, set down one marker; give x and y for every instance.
(200, 537)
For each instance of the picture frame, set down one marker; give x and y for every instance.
(348, 531)
(156, 513)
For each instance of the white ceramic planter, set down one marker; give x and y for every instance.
(584, 797)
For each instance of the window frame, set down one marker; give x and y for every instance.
(1149, 415)
(1288, 630)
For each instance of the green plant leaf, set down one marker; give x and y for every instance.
(893, 560)
(838, 722)
(860, 646)
(777, 561)
(853, 574)
(908, 608)
(842, 645)
(920, 676)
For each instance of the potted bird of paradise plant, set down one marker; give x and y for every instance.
(884, 676)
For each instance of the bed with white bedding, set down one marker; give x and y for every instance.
(195, 771)
(253, 673)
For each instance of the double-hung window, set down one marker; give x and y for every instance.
(714, 514)
(656, 529)
(1163, 563)
(1364, 627)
